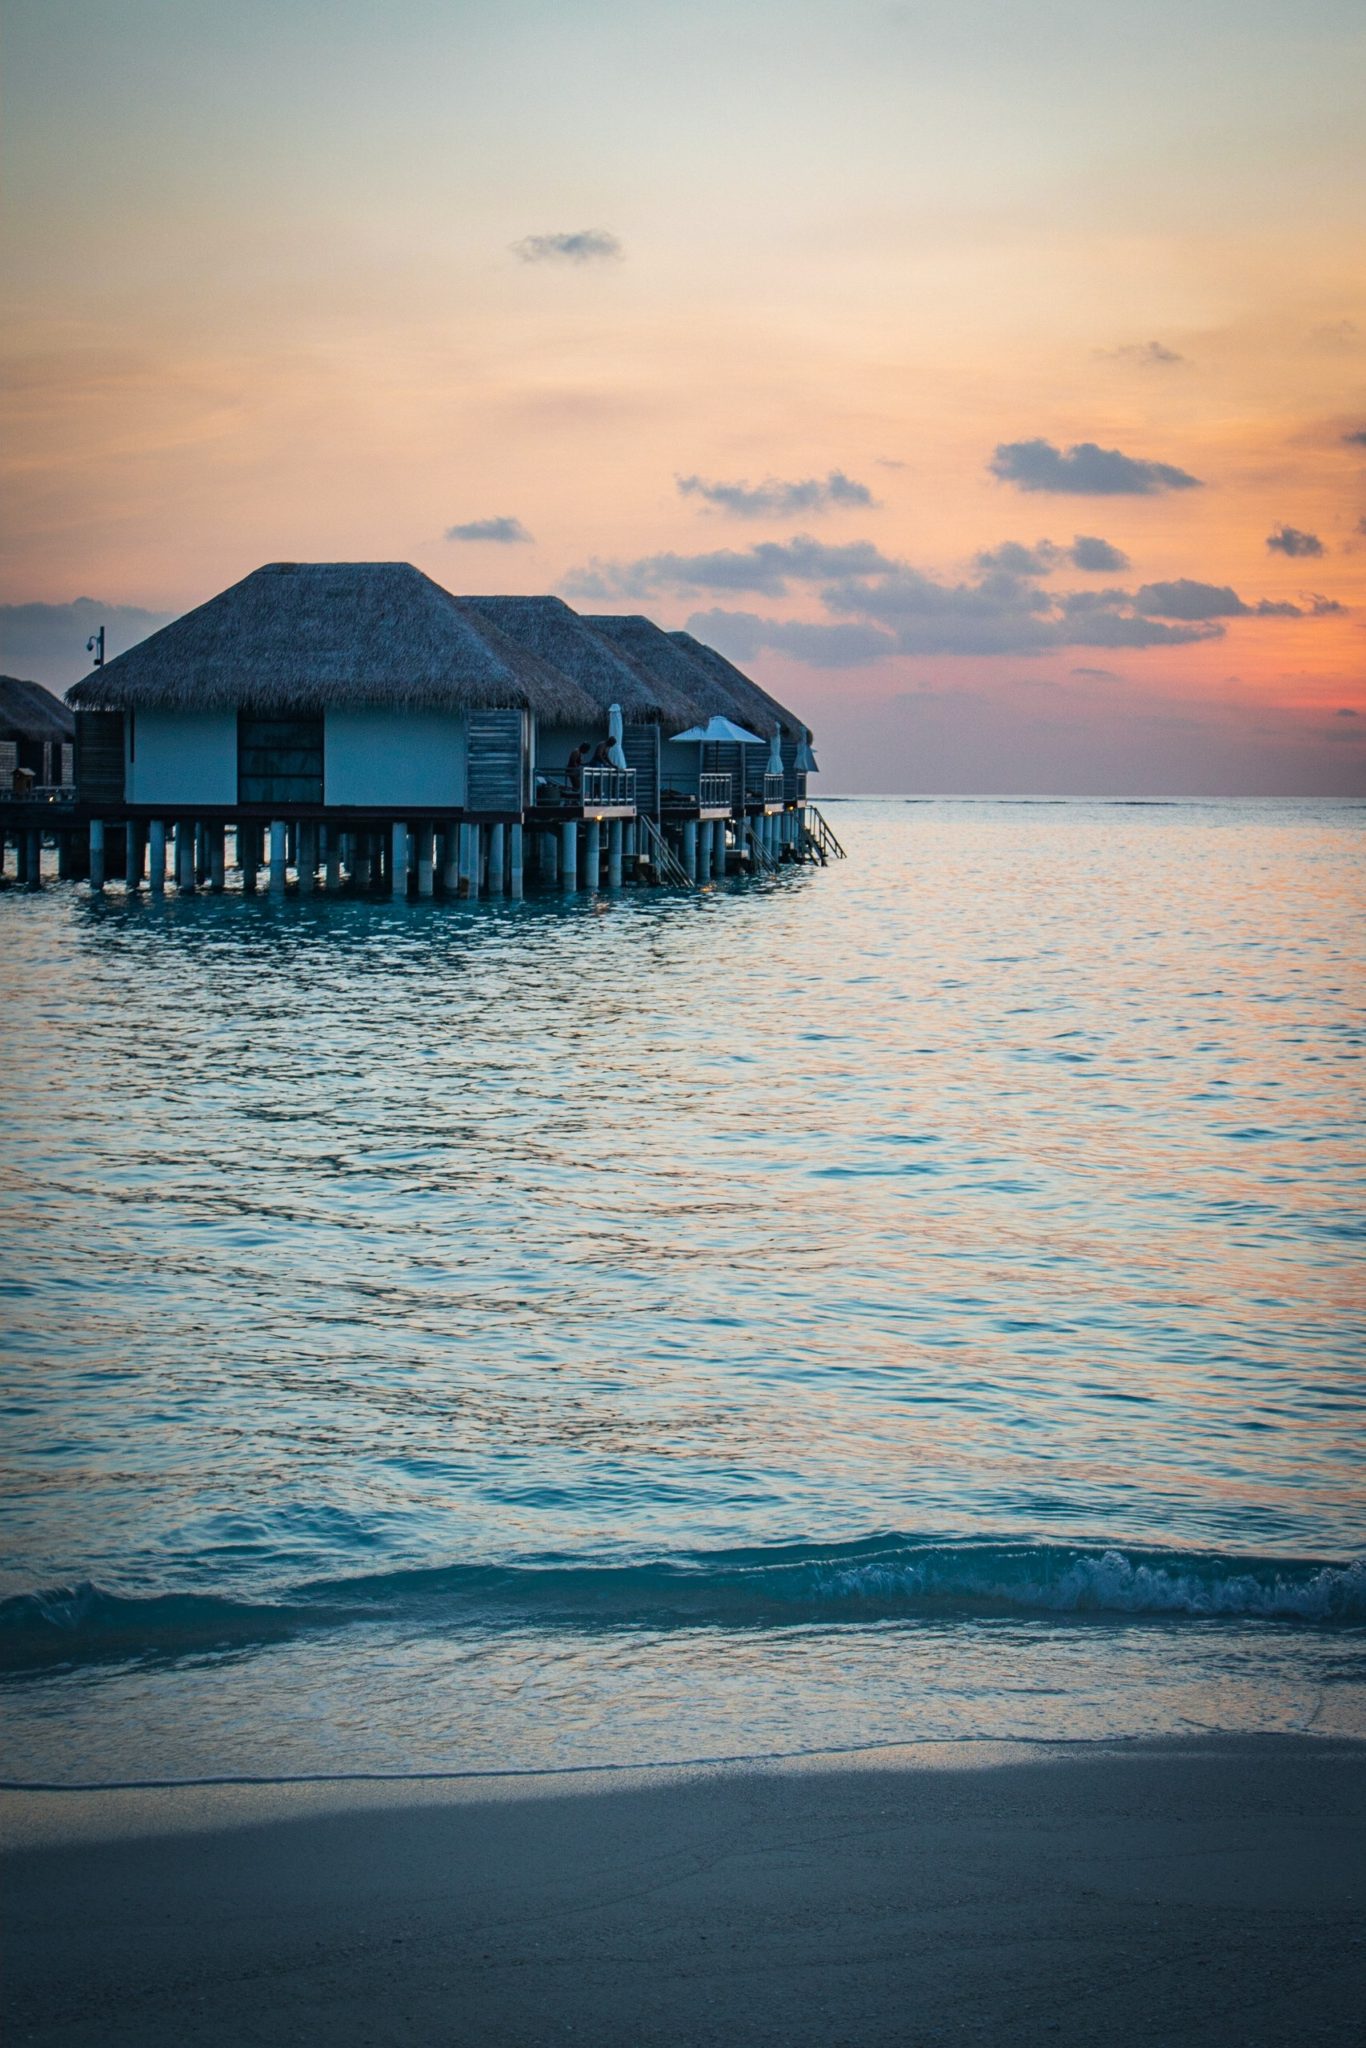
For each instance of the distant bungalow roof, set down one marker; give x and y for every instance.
(29, 712)
(759, 704)
(698, 673)
(553, 630)
(302, 635)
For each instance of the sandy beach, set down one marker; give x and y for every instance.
(1151, 1893)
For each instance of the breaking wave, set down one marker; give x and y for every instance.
(878, 1580)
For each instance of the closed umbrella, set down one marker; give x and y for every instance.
(615, 729)
(775, 752)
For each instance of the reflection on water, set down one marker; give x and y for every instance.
(1002, 1181)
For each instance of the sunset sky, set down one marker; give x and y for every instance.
(989, 379)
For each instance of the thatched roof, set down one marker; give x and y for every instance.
(303, 635)
(747, 692)
(29, 712)
(705, 678)
(551, 629)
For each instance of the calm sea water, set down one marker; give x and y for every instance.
(910, 1300)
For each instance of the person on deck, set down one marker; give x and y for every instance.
(573, 770)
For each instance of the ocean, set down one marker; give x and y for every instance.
(912, 1301)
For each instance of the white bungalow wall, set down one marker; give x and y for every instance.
(405, 759)
(180, 757)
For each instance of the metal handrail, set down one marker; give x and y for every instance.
(661, 856)
(713, 791)
(41, 793)
(609, 785)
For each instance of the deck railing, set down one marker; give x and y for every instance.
(613, 786)
(41, 793)
(713, 792)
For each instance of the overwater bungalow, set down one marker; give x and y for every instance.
(37, 741)
(356, 725)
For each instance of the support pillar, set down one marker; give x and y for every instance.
(614, 838)
(515, 884)
(718, 847)
(35, 878)
(592, 854)
(218, 857)
(132, 856)
(191, 835)
(156, 856)
(690, 848)
(426, 864)
(497, 860)
(476, 868)
(279, 848)
(201, 854)
(450, 860)
(550, 859)
(334, 843)
(360, 864)
(306, 859)
(569, 855)
(398, 861)
(184, 856)
(21, 859)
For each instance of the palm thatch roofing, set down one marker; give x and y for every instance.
(761, 705)
(549, 627)
(706, 678)
(29, 712)
(304, 635)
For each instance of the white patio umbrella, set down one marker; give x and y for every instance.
(720, 731)
(615, 729)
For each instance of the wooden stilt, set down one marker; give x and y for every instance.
(156, 856)
(592, 854)
(690, 848)
(497, 860)
(279, 849)
(34, 876)
(569, 855)
(398, 857)
(426, 864)
(218, 857)
(515, 884)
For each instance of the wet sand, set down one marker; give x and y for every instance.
(1157, 1893)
